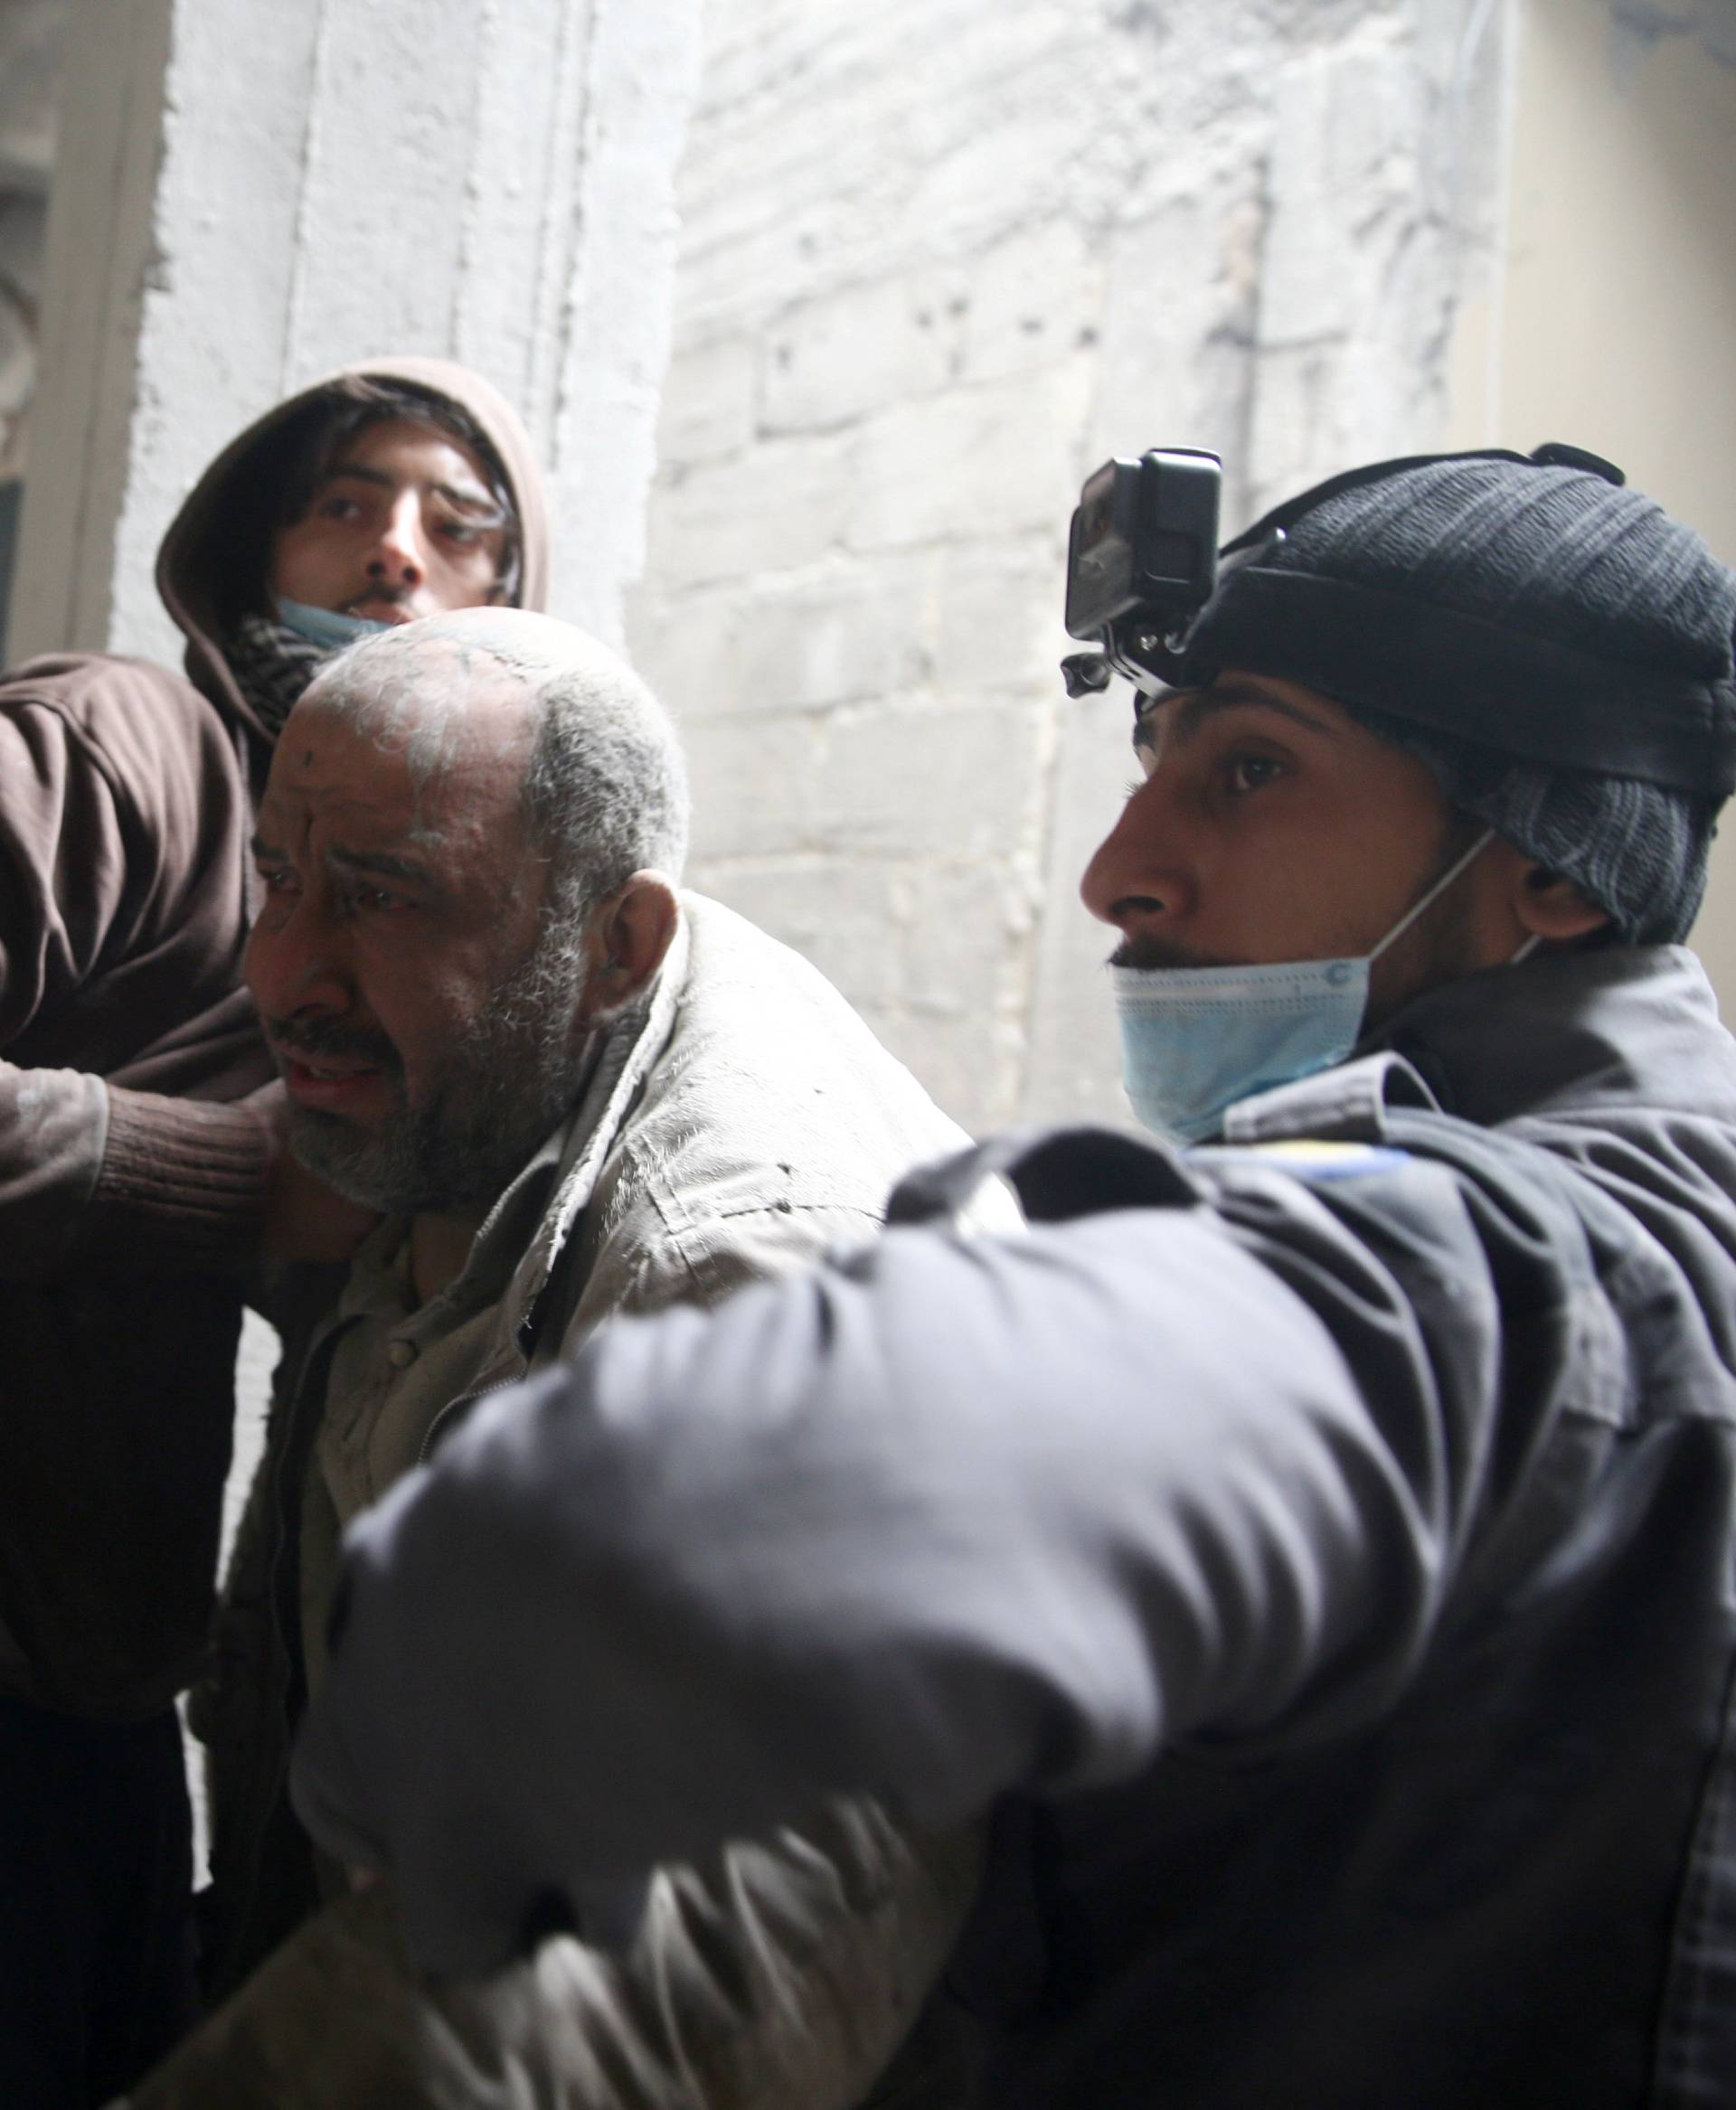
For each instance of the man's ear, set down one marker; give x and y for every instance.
(626, 939)
(1552, 908)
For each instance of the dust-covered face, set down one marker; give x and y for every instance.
(427, 1023)
(402, 523)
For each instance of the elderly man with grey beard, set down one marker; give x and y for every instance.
(570, 1091)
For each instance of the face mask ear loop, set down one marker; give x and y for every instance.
(1525, 950)
(1435, 892)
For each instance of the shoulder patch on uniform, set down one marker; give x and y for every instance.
(1328, 1161)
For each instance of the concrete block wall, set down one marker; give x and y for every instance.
(939, 258)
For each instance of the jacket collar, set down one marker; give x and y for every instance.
(1564, 1033)
(523, 1235)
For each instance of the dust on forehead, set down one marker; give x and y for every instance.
(417, 697)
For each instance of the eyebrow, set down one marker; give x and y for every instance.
(1197, 705)
(376, 863)
(382, 864)
(472, 500)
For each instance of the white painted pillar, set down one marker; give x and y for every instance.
(250, 191)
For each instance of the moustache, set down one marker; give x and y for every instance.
(317, 1037)
(1146, 950)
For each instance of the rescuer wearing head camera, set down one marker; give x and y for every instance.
(1311, 1551)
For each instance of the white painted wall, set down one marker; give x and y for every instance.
(939, 257)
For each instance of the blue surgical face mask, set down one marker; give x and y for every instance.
(1195, 1041)
(326, 628)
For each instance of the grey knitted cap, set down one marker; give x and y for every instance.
(1554, 646)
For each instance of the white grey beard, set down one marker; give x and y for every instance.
(502, 1090)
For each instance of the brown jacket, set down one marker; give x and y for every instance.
(128, 1185)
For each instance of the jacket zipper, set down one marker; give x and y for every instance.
(462, 1399)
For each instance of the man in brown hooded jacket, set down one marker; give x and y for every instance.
(135, 1170)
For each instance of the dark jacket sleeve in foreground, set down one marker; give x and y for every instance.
(956, 1517)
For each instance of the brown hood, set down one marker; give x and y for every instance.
(195, 567)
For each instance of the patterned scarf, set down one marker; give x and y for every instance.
(271, 665)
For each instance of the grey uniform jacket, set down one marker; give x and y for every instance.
(1320, 1554)
(732, 1129)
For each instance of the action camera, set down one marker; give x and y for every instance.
(1142, 559)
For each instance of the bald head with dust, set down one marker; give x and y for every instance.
(605, 788)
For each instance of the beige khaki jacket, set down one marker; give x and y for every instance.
(743, 1122)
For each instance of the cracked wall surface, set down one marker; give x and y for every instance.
(939, 260)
